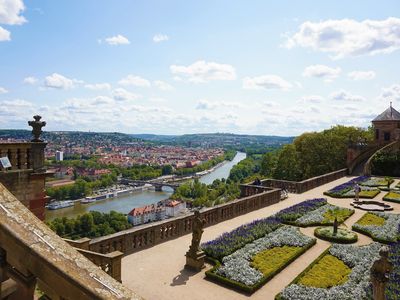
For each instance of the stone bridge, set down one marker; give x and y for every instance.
(157, 184)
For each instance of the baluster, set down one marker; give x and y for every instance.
(12, 155)
(22, 158)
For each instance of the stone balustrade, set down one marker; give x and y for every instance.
(298, 187)
(144, 236)
(32, 254)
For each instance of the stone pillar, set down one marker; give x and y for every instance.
(37, 157)
(380, 274)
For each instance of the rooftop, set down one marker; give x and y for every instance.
(389, 114)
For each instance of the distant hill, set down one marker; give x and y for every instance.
(225, 140)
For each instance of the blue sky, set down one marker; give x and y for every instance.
(173, 67)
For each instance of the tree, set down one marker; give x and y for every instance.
(167, 170)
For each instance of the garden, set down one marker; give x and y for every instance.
(341, 272)
(381, 227)
(369, 187)
(392, 196)
(250, 255)
(313, 212)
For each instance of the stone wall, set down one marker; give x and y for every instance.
(141, 237)
(26, 177)
(299, 187)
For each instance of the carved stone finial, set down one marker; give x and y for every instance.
(380, 274)
(36, 128)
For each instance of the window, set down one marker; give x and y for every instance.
(386, 136)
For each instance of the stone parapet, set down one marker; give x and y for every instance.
(32, 253)
(144, 236)
(298, 187)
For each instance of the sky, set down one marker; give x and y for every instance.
(176, 67)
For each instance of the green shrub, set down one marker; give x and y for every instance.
(343, 236)
(328, 272)
(340, 213)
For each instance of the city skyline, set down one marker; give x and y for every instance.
(176, 67)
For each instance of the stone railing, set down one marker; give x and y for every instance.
(299, 187)
(362, 157)
(144, 236)
(109, 263)
(23, 156)
(393, 146)
(32, 254)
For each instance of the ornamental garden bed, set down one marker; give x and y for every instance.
(313, 213)
(343, 236)
(250, 267)
(393, 287)
(381, 227)
(392, 196)
(377, 182)
(346, 190)
(341, 272)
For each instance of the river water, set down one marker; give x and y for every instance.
(124, 204)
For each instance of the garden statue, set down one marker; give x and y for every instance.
(357, 190)
(36, 128)
(335, 226)
(380, 274)
(195, 256)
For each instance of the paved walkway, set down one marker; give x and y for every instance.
(157, 273)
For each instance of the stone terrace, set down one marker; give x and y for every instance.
(158, 272)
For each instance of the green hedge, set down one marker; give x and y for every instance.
(376, 239)
(392, 197)
(293, 223)
(294, 281)
(210, 274)
(362, 195)
(335, 239)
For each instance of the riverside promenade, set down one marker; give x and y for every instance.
(158, 272)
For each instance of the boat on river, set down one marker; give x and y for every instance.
(59, 204)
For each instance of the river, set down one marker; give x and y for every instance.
(126, 203)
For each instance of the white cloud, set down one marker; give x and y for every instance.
(322, 71)
(361, 75)
(10, 12)
(3, 90)
(391, 93)
(202, 71)
(117, 40)
(5, 35)
(98, 86)
(30, 80)
(268, 82)
(160, 38)
(135, 81)
(311, 99)
(58, 81)
(348, 37)
(121, 94)
(343, 95)
(162, 85)
(204, 104)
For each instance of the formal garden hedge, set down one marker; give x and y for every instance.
(343, 236)
(340, 272)
(255, 264)
(346, 190)
(380, 226)
(392, 196)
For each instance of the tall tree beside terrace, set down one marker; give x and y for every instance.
(288, 166)
(313, 154)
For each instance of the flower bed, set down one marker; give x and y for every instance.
(231, 241)
(343, 236)
(393, 287)
(324, 215)
(357, 285)
(377, 182)
(381, 227)
(346, 190)
(291, 214)
(392, 196)
(250, 267)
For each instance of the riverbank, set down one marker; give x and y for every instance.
(124, 204)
